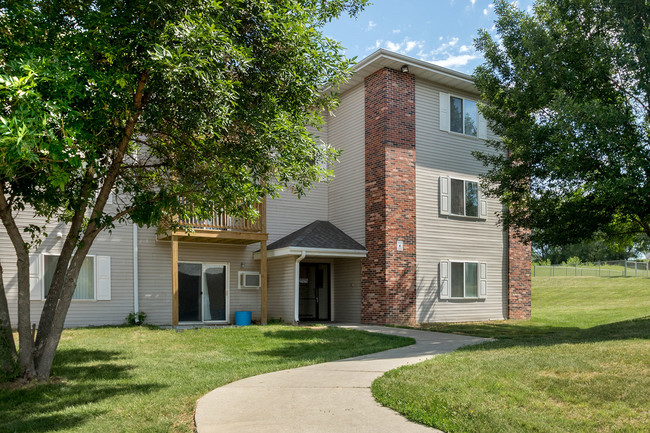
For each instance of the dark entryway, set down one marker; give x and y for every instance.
(315, 291)
(202, 292)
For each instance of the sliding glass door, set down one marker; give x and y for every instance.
(202, 292)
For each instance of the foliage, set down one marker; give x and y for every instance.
(155, 101)
(598, 250)
(567, 88)
(572, 261)
(136, 319)
(579, 365)
(145, 379)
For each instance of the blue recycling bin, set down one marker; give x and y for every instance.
(243, 318)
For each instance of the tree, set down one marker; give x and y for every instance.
(567, 88)
(204, 100)
(597, 250)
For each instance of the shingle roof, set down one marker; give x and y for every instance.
(319, 234)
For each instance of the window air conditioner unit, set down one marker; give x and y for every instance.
(249, 280)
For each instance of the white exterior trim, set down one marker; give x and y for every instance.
(312, 252)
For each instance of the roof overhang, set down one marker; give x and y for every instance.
(420, 68)
(312, 252)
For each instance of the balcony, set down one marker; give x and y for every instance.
(223, 228)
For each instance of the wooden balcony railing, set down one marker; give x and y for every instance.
(225, 222)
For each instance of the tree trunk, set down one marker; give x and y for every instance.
(8, 356)
(45, 357)
(25, 337)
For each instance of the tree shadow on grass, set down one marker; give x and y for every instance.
(328, 344)
(522, 335)
(90, 376)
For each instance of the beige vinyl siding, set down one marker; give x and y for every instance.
(118, 245)
(347, 189)
(288, 213)
(281, 288)
(155, 274)
(452, 238)
(346, 290)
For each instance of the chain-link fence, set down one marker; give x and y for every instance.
(613, 268)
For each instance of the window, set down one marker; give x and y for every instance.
(464, 197)
(461, 198)
(85, 283)
(461, 115)
(463, 280)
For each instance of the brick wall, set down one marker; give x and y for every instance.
(519, 258)
(388, 276)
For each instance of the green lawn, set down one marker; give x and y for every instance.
(581, 364)
(148, 380)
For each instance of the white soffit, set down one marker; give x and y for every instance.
(420, 68)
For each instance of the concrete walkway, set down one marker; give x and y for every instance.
(329, 397)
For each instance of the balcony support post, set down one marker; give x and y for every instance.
(174, 281)
(263, 275)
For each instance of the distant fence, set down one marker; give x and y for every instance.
(615, 268)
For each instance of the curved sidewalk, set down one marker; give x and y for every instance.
(329, 397)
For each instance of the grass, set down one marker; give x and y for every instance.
(119, 379)
(581, 364)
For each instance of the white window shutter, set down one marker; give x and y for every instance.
(103, 286)
(482, 126)
(443, 187)
(444, 279)
(483, 206)
(35, 278)
(482, 280)
(444, 111)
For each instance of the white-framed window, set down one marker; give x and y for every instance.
(249, 280)
(85, 282)
(461, 197)
(463, 279)
(461, 115)
(93, 283)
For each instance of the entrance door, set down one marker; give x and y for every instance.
(202, 292)
(314, 291)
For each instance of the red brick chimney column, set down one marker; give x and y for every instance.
(519, 283)
(388, 277)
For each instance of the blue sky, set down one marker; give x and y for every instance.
(438, 31)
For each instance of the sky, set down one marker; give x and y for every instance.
(437, 31)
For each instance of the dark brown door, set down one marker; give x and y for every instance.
(314, 291)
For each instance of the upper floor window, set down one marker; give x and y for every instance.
(461, 197)
(461, 115)
(464, 197)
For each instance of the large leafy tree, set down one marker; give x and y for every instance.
(153, 100)
(567, 88)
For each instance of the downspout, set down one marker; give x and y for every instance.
(136, 303)
(297, 288)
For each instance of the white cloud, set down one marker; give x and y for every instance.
(455, 61)
(405, 46)
(393, 46)
(485, 11)
(473, 2)
(395, 31)
(491, 6)
(450, 53)
(371, 25)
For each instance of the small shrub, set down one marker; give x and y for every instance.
(136, 319)
(572, 261)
